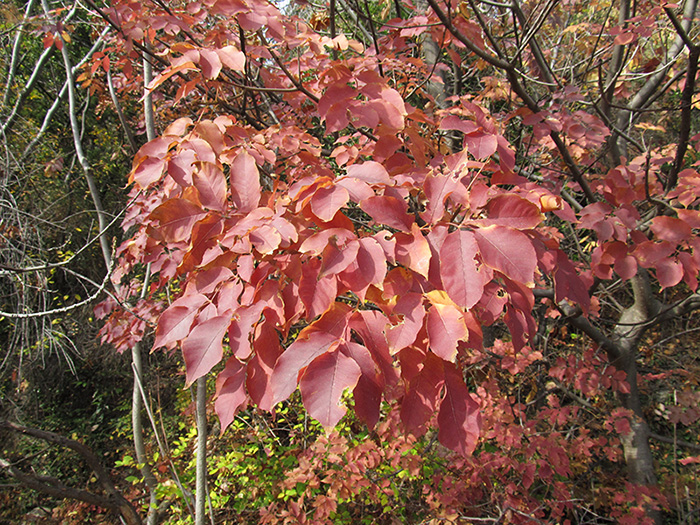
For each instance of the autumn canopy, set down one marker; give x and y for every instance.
(463, 217)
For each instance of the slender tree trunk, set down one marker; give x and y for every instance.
(137, 401)
(201, 416)
(631, 326)
(621, 349)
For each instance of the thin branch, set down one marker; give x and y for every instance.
(671, 441)
(62, 310)
(61, 95)
(494, 61)
(686, 107)
(49, 266)
(120, 113)
(161, 447)
(680, 30)
(374, 39)
(72, 108)
(15, 53)
(625, 118)
(297, 83)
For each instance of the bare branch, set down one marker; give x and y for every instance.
(114, 499)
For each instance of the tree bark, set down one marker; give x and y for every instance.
(201, 483)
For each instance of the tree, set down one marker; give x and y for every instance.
(408, 215)
(58, 202)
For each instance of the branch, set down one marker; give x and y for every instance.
(29, 315)
(680, 30)
(38, 67)
(15, 53)
(114, 499)
(7, 126)
(53, 487)
(49, 114)
(297, 83)
(82, 159)
(201, 452)
(494, 61)
(535, 47)
(613, 351)
(574, 170)
(351, 13)
(50, 266)
(374, 39)
(120, 113)
(625, 118)
(671, 441)
(519, 89)
(686, 107)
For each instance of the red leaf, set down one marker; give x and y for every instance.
(481, 145)
(245, 182)
(169, 72)
(625, 38)
(421, 399)
(413, 251)
(437, 189)
(180, 167)
(410, 307)
(232, 58)
(568, 284)
(210, 63)
(454, 122)
(669, 272)
(368, 392)
(317, 293)
(177, 218)
(230, 392)
(369, 267)
(148, 171)
(211, 185)
(334, 321)
(462, 280)
(445, 325)
(203, 348)
(370, 171)
(512, 210)
(690, 217)
(206, 281)
(241, 327)
(316, 243)
(371, 326)
(175, 322)
(509, 251)
(671, 229)
(323, 383)
(388, 210)
(459, 419)
(259, 371)
(336, 95)
(294, 359)
(335, 260)
(650, 253)
(626, 267)
(210, 132)
(205, 236)
(327, 200)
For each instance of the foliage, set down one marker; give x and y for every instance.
(474, 223)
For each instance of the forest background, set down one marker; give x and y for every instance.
(466, 231)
